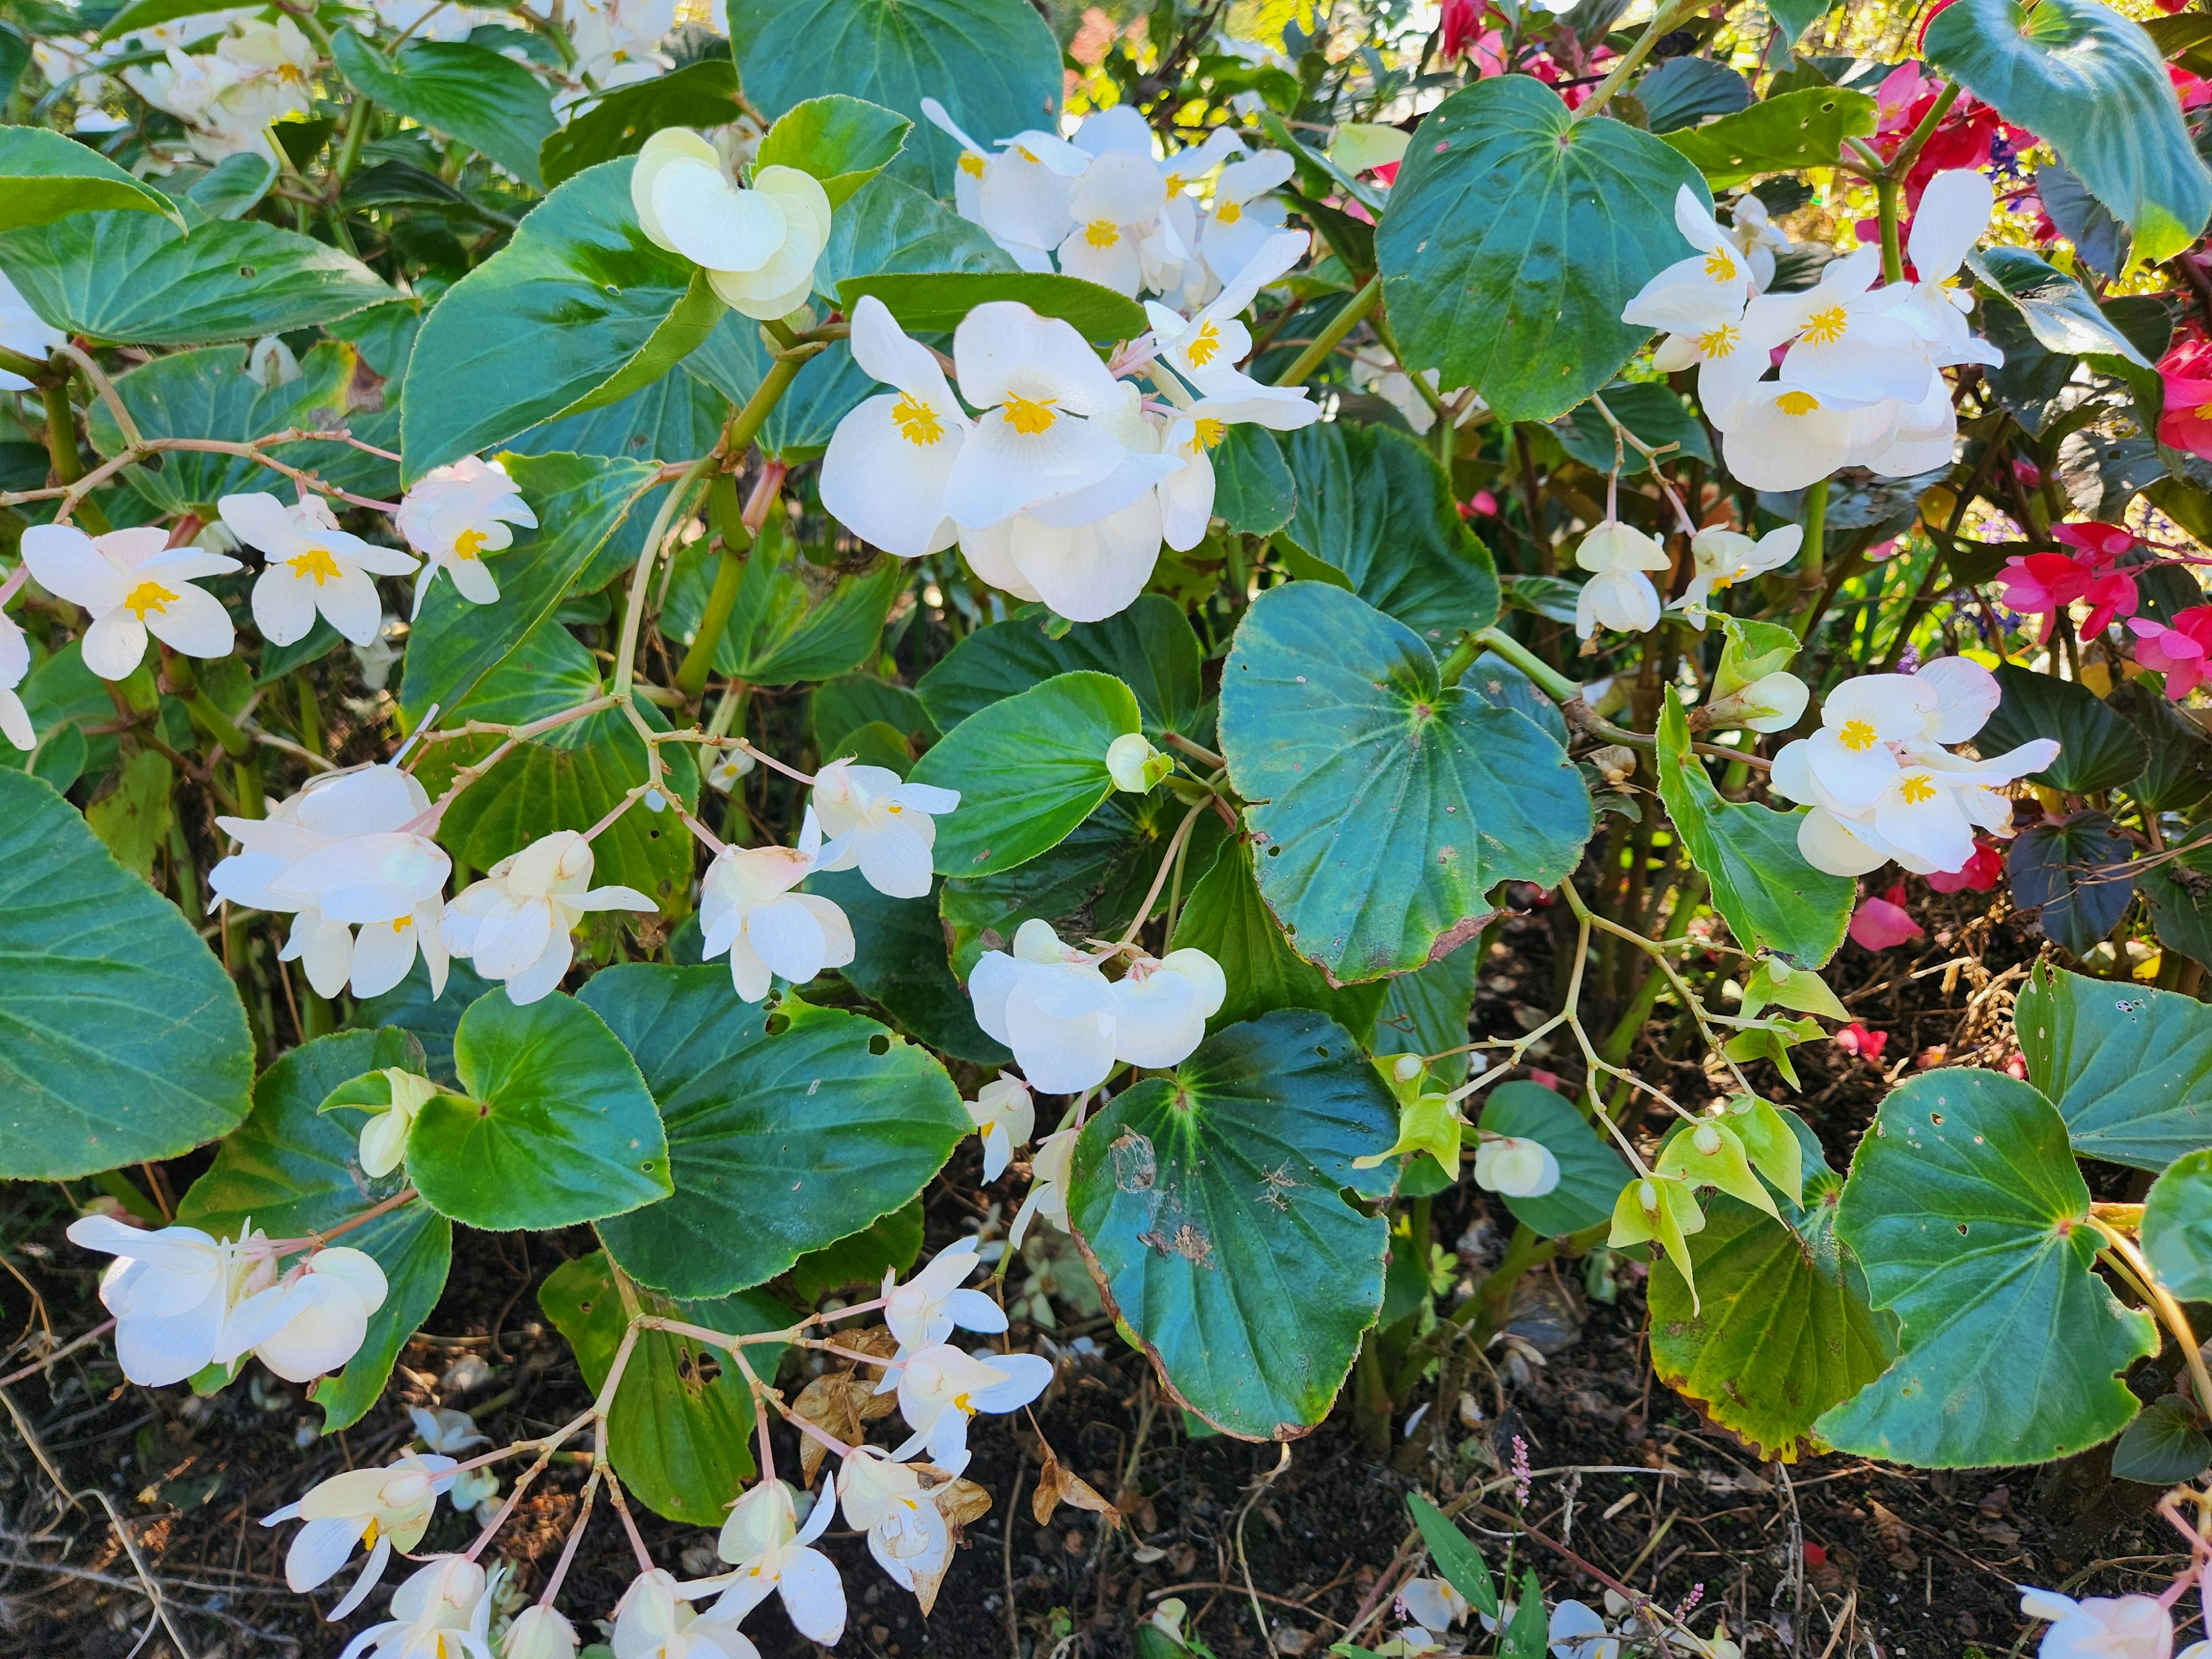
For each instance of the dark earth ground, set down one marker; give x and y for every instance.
(1831, 1557)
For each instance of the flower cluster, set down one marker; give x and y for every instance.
(2048, 583)
(2106, 1628)
(2180, 650)
(1859, 381)
(256, 72)
(1883, 785)
(1620, 559)
(1069, 1025)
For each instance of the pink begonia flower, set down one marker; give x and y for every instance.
(2178, 652)
(2051, 582)
(1980, 873)
(1878, 923)
(1856, 1039)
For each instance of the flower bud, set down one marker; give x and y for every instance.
(539, 1632)
(1134, 764)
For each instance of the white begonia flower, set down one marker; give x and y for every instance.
(1751, 230)
(654, 1621)
(723, 768)
(1187, 494)
(1050, 1003)
(1850, 755)
(885, 826)
(974, 161)
(540, 1633)
(447, 1431)
(2099, 1626)
(517, 924)
(384, 1137)
(456, 514)
(312, 565)
(171, 1292)
(1579, 1631)
(939, 1388)
(1432, 1603)
(1849, 344)
(1954, 211)
(1161, 1006)
(1205, 347)
(132, 583)
(272, 362)
(615, 40)
(1706, 291)
(1040, 384)
(1245, 213)
(391, 883)
(1720, 558)
(884, 474)
(1019, 194)
(24, 332)
(1050, 1170)
(772, 1553)
(908, 1534)
(1134, 764)
(747, 907)
(310, 1321)
(757, 246)
(1115, 204)
(1617, 595)
(14, 665)
(1004, 1115)
(1515, 1166)
(380, 1509)
(259, 72)
(1783, 436)
(922, 1312)
(1728, 368)
(442, 1611)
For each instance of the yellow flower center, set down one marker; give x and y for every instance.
(1228, 213)
(1719, 266)
(1029, 415)
(1857, 736)
(1917, 789)
(1797, 403)
(316, 562)
(1203, 345)
(1027, 155)
(1176, 181)
(894, 809)
(1101, 232)
(1721, 342)
(971, 164)
(916, 421)
(400, 924)
(468, 544)
(1207, 432)
(148, 596)
(368, 1537)
(1826, 326)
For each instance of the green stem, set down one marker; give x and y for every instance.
(1661, 24)
(1329, 338)
(1813, 516)
(1614, 1049)
(679, 494)
(60, 449)
(1901, 163)
(1554, 684)
(311, 712)
(356, 133)
(31, 369)
(1893, 251)
(729, 575)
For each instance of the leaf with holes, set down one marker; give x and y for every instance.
(899, 961)
(2128, 1067)
(1803, 129)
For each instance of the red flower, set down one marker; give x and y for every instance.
(2049, 582)
(1856, 1039)
(2193, 90)
(1462, 22)
(2183, 652)
(1878, 923)
(1981, 873)
(2106, 541)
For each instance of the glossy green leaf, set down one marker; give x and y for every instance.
(120, 1037)
(858, 1261)
(44, 176)
(135, 278)
(2098, 749)
(430, 1020)
(1254, 492)
(1456, 1560)
(780, 1144)
(733, 361)
(2090, 83)
(482, 98)
(1803, 129)
(1150, 647)
(1209, 1204)
(900, 962)
(1515, 235)
(554, 1125)
(1385, 808)
(2057, 310)
(1771, 898)
(1033, 765)
(1591, 1174)
(1224, 916)
(2179, 892)
(680, 1433)
(1527, 1632)
(991, 63)
(291, 1172)
(579, 502)
(1376, 508)
(793, 619)
(2075, 873)
(934, 304)
(1967, 1212)
(838, 706)
(2178, 773)
(2163, 1447)
(2128, 1067)
(842, 141)
(889, 226)
(578, 310)
(703, 94)
(1427, 1011)
(2176, 1226)
(1682, 92)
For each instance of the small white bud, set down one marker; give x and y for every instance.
(1134, 764)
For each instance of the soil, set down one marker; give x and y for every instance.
(1832, 1556)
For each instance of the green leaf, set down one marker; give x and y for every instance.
(2179, 771)
(132, 819)
(703, 94)
(2179, 891)
(935, 303)
(1684, 91)
(1386, 807)
(1803, 129)
(430, 1020)
(44, 176)
(1770, 896)
(480, 97)
(680, 1433)
(840, 706)
(233, 187)
(991, 63)
(578, 310)
(2057, 868)
(555, 1125)
(1208, 1203)
(1591, 1174)
(2130, 1068)
(1253, 493)
(2057, 310)
(1649, 409)
(2163, 1447)
(1967, 1212)
(1033, 765)
(1456, 1560)
(793, 619)
(137, 279)
(2093, 85)
(899, 961)
(1427, 1011)
(1526, 1636)
(1374, 507)
(1515, 237)
(780, 1144)
(892, 1242)
(889, 226)
(2176, 1226)
(1150, 647)
(579, 501)
(843, 142)
(1225, 917)
(1794, 17)
(2098, 750)
(121, 1039)
(291, 1172)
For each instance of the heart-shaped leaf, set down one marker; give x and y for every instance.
(1150, 647)
(2176, 1226)
(702, 95)
(843, 142)
(2097, 749)
(2074, 872)
(1225, 917)
(1801, 128)
(2130, 1068)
